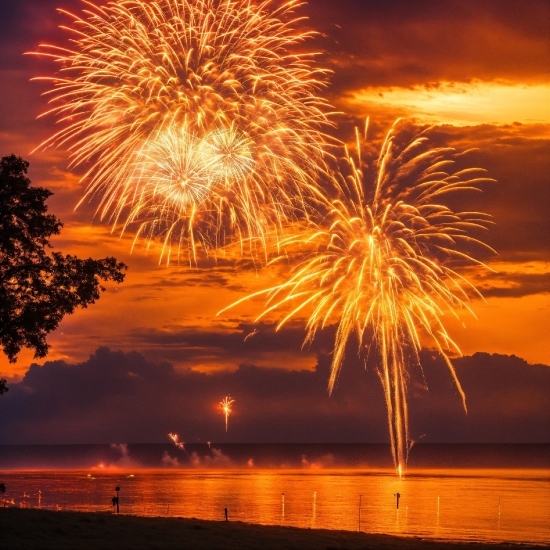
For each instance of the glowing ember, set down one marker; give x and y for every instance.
(176, 441)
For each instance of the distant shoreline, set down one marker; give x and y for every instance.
(34, 529)
(267, 456)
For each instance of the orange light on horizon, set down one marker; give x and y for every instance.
(457, 103)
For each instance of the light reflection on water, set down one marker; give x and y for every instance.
(486, 505)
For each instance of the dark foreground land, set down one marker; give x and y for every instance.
(40, 529)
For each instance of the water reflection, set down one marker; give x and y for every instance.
(489, 505)
(314, 509)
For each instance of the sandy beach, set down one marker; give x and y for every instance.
(41, 529)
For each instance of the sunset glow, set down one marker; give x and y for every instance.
(327, 221)
(151, 356)
(460, 104)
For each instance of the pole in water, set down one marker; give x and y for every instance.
(225, 514)
(397, 497)
(360, 497)
(283, 505)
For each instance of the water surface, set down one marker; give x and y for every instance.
(303, 486)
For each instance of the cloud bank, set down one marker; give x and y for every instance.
(116, 396)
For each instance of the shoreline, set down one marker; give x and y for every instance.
(125, 470)
(34, 529)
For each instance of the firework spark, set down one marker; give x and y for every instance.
(175, 438)
(225, 408)
(385, 268)
(198, 120)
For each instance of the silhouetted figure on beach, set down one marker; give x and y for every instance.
(115, 499)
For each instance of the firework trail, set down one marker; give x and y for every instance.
(198, 121)
(175, 438)
(383, 268)
(225, 408)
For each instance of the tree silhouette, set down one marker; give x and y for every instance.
(38, 287)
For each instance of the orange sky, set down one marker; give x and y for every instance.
(482, 76)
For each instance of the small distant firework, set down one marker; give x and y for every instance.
(384, 268)
(199, 119)
(251, 334)
(176, 441)
(225, 408)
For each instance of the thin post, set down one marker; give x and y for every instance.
(397, 497)
(226, 514)
(283, 506)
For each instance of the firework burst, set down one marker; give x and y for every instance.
(384, 268)
(195, 116)
(225, 407)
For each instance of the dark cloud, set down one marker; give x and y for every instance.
(507, 400)
(246, 343)
(515, 285)
(115, 396)
(205, 274)
(518, 157)
(245, 338)
(393, 43)
(208, 272)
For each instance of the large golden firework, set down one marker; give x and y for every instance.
(384, 267)
(199, 119)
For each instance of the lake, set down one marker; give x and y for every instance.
(450, 492)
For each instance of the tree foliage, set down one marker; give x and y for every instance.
(38, 287)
